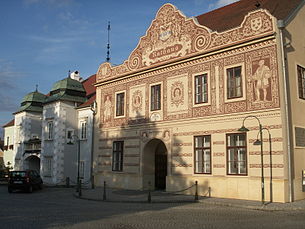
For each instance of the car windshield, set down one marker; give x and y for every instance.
(18, 174)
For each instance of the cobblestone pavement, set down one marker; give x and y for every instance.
(58, 208)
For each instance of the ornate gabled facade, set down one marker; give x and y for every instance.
(170, 114)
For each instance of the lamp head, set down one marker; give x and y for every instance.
(243, 129)
(257, 142)
(70, 142)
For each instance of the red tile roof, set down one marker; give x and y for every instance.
(10, 123)
(88, 85)
(232, 15)
(88, 103)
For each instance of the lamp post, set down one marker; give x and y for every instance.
(78, 188)
(244, 129)
(258, 142)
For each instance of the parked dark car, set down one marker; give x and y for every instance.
(24, 180)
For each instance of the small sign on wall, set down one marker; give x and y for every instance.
(303, 180)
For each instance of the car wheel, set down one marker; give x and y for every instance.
(30, 189)
(9, 190)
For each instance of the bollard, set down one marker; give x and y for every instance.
(209, 192)
(149, 194)
(80, 188)
(196, 190)
(104, 191)
(68, 182)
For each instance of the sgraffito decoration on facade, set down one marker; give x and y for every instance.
(107, 108)
(172, 36)
(137, 101)
(177, 95)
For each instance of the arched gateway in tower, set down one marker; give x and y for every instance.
(155, 164)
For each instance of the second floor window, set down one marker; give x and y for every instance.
(234, 83)
(120, 104)
(50, 130)
(301, 81)
(201, 89)
(155, 97)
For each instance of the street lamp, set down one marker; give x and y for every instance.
(258, 142)
(244, 129)
(78, 188)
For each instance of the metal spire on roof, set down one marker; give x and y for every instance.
(36, 88)
(69, 73)
(108, 44)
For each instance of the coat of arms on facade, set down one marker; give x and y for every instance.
(137, 101)
(177, 93)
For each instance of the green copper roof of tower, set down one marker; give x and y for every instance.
(67, 89)
(32, 102)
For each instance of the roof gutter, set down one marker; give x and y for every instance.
(287, 117)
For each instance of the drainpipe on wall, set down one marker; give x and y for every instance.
(281, 27)
(93, 109)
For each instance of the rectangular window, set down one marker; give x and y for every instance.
(203, 154)
(83, 130)
(82, 169)
(301, 81)
(236, 154)
(234, 83)
(155, 97)
(50, 130)
(120, 97)
(47, 166)
(201, 89)
(117, 156)
(70, 133)
(7, 141)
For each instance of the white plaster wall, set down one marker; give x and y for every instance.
(9, 154)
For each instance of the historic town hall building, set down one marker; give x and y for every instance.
(170, 114)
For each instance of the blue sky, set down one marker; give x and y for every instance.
(41, 40)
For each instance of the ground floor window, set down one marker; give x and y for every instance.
(117, 156)
(236, 154)
(47, 167)
(202, 154)
(82, 169)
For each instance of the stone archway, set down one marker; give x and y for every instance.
(33, 163)
(155, 164)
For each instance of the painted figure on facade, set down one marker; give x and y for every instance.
(261, 76)
(107, 111)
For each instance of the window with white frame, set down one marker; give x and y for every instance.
(83, 130)
(202, 154)
(236, 154)
(50, 130)
(155, 102)
(301, 81)
(120, 99)
(82, 169)
(234, 83)
(117, 156)
(47, 166)
(201, 89)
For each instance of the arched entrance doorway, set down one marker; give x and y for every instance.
(155, 164)
(33, 163)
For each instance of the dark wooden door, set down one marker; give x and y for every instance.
(160, 171)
